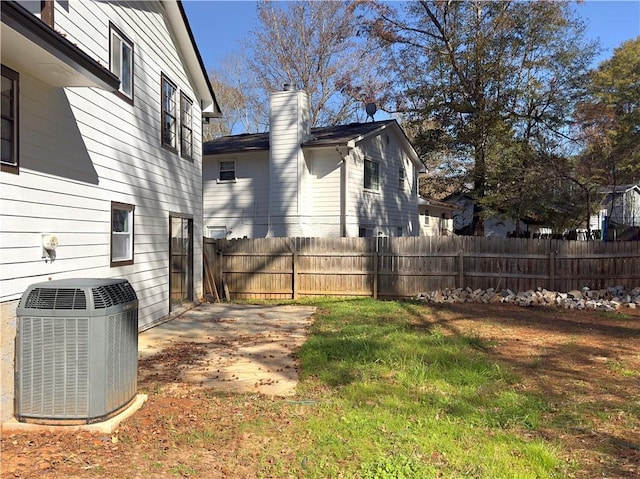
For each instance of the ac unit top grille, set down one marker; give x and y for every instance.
(56, 298)
(77, 294)
(112, 294)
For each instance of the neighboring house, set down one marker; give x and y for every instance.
(102, 108)
(622, 204)
(436, 217)
(343, 181)
(494, 226)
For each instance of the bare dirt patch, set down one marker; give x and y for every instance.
(586, 363)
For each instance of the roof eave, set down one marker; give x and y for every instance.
(42, 48)
(179, 22)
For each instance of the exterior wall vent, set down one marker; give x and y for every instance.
(76, 351)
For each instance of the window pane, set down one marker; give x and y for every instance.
(127, 64)
(120, 220)
(7, 151)
(370, 175)
(121, 244)
(227, 170)
(115, 55)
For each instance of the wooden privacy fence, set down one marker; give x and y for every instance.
(276, 268)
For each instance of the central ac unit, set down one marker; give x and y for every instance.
(76, 350)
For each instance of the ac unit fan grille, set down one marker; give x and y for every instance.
(113, 294)
(56, 298)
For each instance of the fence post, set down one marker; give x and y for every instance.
(375, 271)
(552, 272)
(294, 269)
(461, 269)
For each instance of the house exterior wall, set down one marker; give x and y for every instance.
(432, 223)
(323, 198)
(626, 209)
(83, 148)
(241, 207)
(390, 208)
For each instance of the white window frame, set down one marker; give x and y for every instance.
(372, 175)
(223, 171)
(217, 232)
(426, 217)
(122, 227)
(402, 176)
(119, 64)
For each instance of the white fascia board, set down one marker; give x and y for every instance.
(193, 61)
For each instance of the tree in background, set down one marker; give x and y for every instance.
(610, 118)
(496, 83)
(313, 46)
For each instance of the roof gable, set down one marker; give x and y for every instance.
(327, 136)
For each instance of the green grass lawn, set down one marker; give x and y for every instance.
(384, 396)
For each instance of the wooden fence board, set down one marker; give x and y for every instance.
(276, 268)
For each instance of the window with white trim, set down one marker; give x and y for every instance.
(426, 217)
(216, 232)
(371, 175)
(121, 60)
(121, 234)
(227, 170)
(402, 175)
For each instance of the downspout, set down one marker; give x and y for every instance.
(343, 193)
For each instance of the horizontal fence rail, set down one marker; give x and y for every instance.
(278, 268)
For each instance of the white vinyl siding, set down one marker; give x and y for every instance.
(82, 148)
(388, 208)
(241, 206)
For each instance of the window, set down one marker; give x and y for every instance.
(10, 80)
(121, 234)
(401, 177)
(227, 170)
(121, 61)
(169, 114)
(426, 217)
(365, 232)
(371, 175)
(186, 127)
(216, 232)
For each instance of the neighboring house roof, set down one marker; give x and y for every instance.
(422, 201)
(618, 189)
(321, 137)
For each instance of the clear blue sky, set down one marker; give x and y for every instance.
(219, 26)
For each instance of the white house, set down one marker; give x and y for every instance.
(496, 225)
(350, 180)
(622, 204)
(436, 217)
(102, 107)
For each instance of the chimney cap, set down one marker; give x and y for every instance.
(288, 87)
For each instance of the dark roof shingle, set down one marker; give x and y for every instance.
(328, 135)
